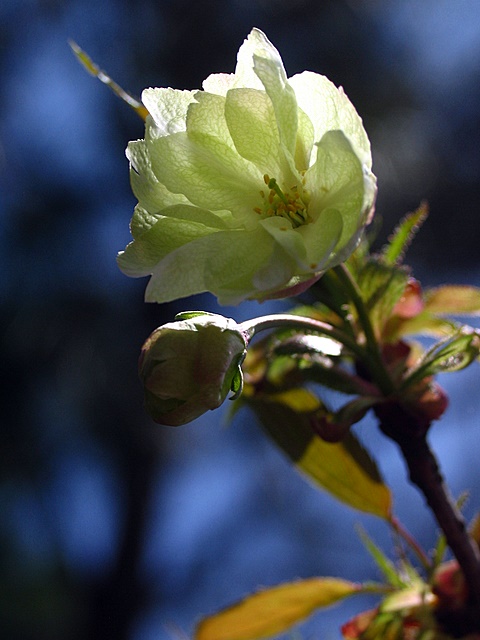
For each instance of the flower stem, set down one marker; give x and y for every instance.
(275, 321)
(377, 368)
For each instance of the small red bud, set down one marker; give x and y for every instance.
(450, 587)
(411, 303)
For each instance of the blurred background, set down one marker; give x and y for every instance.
(110, 526)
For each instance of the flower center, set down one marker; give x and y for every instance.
(287, 204)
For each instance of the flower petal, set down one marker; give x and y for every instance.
(329, 108)
(310, 246)
(251, 121)
(223, 263)
(219, 83)
(244, 73)
(151, 194)
(268, 66)
(336, 181)
(168, 108)
(206, 122)
(288, 238)
(206, 169)
(305, 140)
(321, 238)
(183, 225)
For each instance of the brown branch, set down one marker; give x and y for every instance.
(411, 436)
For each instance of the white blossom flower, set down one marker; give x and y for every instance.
(250, 188)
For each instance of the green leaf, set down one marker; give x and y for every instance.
(403, 235)
(315, 367)
(353, 411)
(343, 469)
(274, 610)
(427, 324)
(439, 551)
(451, 354)
(237, 384)
(188, 315)
(381, 287)
(457, 300)
(94, 70)
(385, 565)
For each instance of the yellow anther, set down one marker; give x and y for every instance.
(289, 204)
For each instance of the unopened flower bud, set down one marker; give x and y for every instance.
(450, 587)
(190, 366)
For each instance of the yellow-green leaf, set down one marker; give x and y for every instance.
(298, 399)
(426, 324)
(273, 611)
(94, 70)
(343, 469)
(455, 300)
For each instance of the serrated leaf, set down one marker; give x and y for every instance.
(94, 70)
(315, 368)
(381, 287)
(385, 565)
(457, 300)
(343, 469)
(426, 324)
(447, 356)
(403, 235)
(275, 610)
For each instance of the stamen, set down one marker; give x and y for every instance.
(274, 187)
(291, 204)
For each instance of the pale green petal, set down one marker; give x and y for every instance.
(269, 68)
(206, 122)
(142, 220)
(219, 83)
(212, 177)
(276, 273)
(183, 225)
(223, 263)
(288, 238)
(251, 121)
(151, 194)
(329, 108)
(309, 246)
(305, 140)
(336, 181)
(168, 108)
(244, 73)
(321, 238)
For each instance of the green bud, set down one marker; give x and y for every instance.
(191, 365)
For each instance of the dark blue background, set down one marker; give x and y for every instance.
(111, 527)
